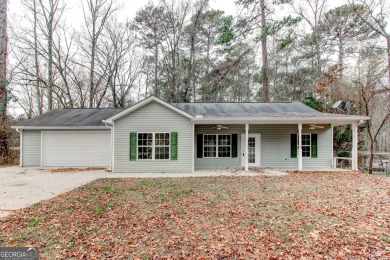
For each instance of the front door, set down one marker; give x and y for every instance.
(253, 150)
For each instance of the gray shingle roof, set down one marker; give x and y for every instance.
(248, 109)
(72, 117)
(92, 117)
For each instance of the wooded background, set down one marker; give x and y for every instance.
(184, 51)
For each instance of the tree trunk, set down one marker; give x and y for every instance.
(3, 82)
(92, 75)
(206, 96)
(318, 55)
(388, 57)
(264, 55)
(371, 159)
(37, 86)
(155, 89)
(50, 63)
(335, 94)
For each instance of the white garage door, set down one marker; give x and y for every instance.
(76, 148)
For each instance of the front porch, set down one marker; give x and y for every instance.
(302, 146)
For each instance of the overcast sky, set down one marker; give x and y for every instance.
(130, 7)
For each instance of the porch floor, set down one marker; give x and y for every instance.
(258, 171)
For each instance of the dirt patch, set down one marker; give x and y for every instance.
(74, 169)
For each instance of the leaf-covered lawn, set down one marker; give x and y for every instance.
(310, 215)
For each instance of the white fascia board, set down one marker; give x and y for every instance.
(284, 120)
(62, 127)
(143, 103)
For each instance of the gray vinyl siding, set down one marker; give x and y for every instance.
(153, 117)
(324, 157)
(31, 150)
(207, 163)
(275, 147)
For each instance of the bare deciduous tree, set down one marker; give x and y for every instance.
(96, 15)
(312, 11)
(376, 14)
(373, 97)
(3, 81)
(51, 14)
(119, 54)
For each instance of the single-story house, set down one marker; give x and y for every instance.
(156, 136)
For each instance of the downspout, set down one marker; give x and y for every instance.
(20, 131)
(111, 144)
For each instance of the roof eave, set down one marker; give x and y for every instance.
(280, 120)
(60, 127)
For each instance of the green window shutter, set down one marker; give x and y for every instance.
(313, 145)
(174, 143)
(199, 146)
(133, 146)
(294, 146)
(234, 146)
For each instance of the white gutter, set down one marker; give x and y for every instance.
(60, 127)
(282, 120)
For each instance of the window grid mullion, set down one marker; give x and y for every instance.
(153, 142)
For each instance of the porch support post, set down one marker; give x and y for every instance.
(246, 147)
(354, 147)
(300, 147)
(193, 146)
(333, 164)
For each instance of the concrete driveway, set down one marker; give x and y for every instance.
(22, 187)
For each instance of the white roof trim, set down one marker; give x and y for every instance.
(280, 120)
(61, 127)
(143, 103)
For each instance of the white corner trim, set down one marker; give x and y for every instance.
(41, 159)
(20, 131)
(113, 148)
(143, 103)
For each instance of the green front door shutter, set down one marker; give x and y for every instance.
(174, 146)
(199, 146)
(313, 145)
(294, 146)
(133, 146)
(234, 146)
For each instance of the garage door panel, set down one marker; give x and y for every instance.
(77, 149)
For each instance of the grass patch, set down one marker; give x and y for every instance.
(100, 209)
(32, 223)
(385, 239)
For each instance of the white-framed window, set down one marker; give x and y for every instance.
(306, 145)
(153, 146)
(217, 145)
